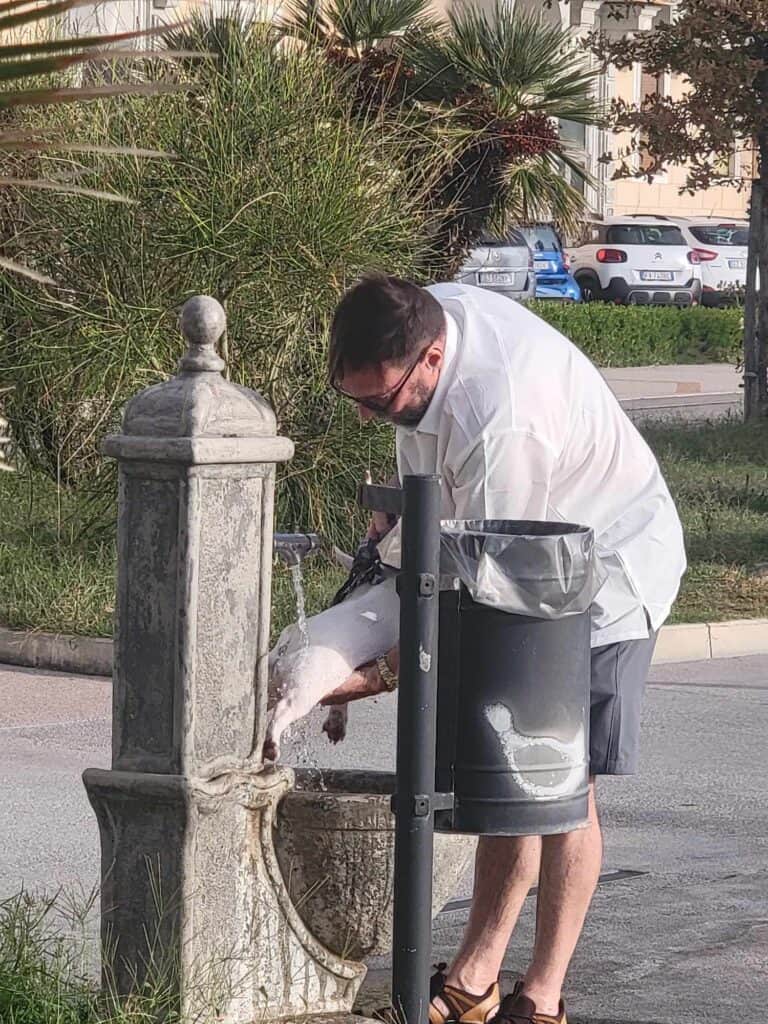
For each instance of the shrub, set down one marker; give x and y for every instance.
(276, 199)
(647, 336)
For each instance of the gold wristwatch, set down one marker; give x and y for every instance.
(387, 675)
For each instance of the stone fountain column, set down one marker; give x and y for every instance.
(191, 890)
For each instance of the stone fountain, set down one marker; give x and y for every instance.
(188, 814)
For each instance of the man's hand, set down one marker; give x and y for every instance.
(364, 682)
(381, 523)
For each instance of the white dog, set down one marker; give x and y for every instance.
(303, 669)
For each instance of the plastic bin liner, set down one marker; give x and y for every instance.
(543, 569)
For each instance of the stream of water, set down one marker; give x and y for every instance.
(299, 733)
(301, 604)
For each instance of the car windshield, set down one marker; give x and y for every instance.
(512, 238)
(541, 236)
(644, 234)
(721, 234)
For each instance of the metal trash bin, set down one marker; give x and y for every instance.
(513, 676)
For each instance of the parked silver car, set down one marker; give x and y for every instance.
(504, 265)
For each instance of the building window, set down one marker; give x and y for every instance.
(728, 165)
(574, 136)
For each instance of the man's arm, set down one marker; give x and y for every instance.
(365, 681)
(500, 476)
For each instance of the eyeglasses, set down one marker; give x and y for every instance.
(380, 403)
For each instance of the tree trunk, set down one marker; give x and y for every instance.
(750, 306)
(756, 300)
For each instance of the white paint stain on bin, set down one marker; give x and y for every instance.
(566, 757)
(425, 660)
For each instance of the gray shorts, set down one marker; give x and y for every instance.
(619, 673)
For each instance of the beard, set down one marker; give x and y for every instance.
(412, 414)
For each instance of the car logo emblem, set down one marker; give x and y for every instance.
(657, 256)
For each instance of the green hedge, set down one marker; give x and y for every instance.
(647, 336)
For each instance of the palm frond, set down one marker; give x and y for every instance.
(213, 35)
(24, 142)
(48, 185)
(436, 79)
(34, 13)
(19, 268)
(10, 50)
(537, 190)
(366, 23)
(513, 59)
(13, 70)
(76, 94)
(24, 59)
(306, 21)
(355, 25)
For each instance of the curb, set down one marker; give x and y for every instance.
(92, 656)
(703, 398)
(82, 655)
(707, 406)
(702, 641)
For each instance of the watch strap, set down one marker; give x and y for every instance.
(388, 677)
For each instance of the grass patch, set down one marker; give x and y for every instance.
(57, 575)
(718, 475)
(44, 978)
(49, 970)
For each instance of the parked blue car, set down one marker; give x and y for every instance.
(550, 264)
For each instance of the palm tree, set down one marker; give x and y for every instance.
(494, 84)
(32, 49)
(509, 79)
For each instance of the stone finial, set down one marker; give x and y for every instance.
(198, 402)
(203, 321)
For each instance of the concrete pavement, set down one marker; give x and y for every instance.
(678, 932)
(687, 392)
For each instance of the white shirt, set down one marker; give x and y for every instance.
(523, 426)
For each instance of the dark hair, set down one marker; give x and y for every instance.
(382, 319)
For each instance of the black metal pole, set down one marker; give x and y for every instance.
(418, 586)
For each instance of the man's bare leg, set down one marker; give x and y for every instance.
(570, 868)
(505, 870)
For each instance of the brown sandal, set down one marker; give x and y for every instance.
(463, 1007)
(517, 1008)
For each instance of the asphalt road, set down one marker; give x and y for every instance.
(678, 932)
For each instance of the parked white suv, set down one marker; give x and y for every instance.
(639, 261)
(722, 248)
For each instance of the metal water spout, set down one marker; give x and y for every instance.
(293, 548)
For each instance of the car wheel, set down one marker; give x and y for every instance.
(590, 288)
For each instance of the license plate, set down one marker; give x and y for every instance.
(541, 264)
(495, 278)
(737, 264)
(656, 275)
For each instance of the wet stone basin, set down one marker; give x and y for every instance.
(335, 846)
